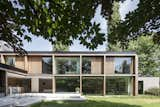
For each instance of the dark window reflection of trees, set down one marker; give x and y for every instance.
(123, 65)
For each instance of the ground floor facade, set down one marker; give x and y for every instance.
(86, 85)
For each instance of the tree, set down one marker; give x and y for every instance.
(55, 20)
(113, 22)
(60, 47)
(114, 47)
(148, 53)
(143, 20)
(115, 17)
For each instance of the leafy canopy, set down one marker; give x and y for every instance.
(148, 53)
(143, 20)
(55, 20)
(60, 47)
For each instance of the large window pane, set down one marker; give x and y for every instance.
(117, 85)
(92, 85)
(45, 85)
(47, 65)
(2, 83)
(10, 61)
(86, 65)
(19, 85)
(123, 65)
(67, 65)
(67, 84)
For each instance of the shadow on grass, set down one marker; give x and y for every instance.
(88, 103)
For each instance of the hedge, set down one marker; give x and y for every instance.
(153, 91)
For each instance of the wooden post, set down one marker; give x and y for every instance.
(136, 75)
(80, 74)
(26, 63)
(35, 85)
(53, 65)
(53, 85)
(2, 59)
(53, 73)
(104, 81)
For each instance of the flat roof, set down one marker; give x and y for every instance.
(11, 68)
(72, 52)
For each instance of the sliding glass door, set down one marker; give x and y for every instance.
(118, 85)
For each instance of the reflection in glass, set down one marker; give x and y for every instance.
(67, 65)
(10, 61)
(123, 65)
(47, 65)
(92, 85)
(86, 65)
(67, 84)
(20, 84)
(117, 85)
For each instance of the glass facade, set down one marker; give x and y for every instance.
(86, 65)
(92, 85)
(19, 83)
(45, 85)
(117, 85)
(2, 83)
(67, 65)
(10, 60)
(123, 65)
(47, 65)
(67, 84)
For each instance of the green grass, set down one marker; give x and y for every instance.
(107, 101)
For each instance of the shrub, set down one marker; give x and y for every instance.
(153, 91)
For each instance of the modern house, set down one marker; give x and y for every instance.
(100, 73)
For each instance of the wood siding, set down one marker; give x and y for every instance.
(109, 65)
(35, 65)
(96, 65)
(19, 63)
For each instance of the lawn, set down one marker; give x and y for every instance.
(107, 101)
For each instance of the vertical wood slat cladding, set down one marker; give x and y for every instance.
(35, 64)
(96, 65)
(26, 67)
(35, 85)
(132, 66)
(19, 63)
(109, 65)
(2, 59)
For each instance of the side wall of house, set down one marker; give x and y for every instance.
(150, 82)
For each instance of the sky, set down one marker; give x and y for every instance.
(39, 44)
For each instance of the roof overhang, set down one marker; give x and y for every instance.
(13, 71)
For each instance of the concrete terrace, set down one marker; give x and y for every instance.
(27, 99)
